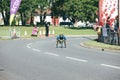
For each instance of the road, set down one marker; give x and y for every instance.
(39, 59)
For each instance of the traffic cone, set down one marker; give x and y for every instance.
(43, 33)
(40, 33)
(53, 32)
(25, 33)
(14, 34)
(49, 33)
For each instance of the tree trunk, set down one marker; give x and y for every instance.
(32, 19)
(5, 17)
(22, 18)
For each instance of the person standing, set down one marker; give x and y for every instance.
(104, 33)
(47, 29)
(97, 28)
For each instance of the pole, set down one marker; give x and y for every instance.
(10, 31)
(119, 19)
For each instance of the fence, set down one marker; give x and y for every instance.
(9, 32)
(111, 38)
(23, 32)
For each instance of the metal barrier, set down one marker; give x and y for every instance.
(10, 33)
(111, 38)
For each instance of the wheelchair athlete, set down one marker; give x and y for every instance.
(60, 38)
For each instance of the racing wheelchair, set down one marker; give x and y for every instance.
(61, 41)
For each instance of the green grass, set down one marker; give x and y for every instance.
(73, 31)
(96, 44)
(4, 31)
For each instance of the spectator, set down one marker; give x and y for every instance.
(104, 32)
(47, 28)
(35, 31)
(97, 28)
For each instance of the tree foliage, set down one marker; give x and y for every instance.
(27, 7)
(76, 9)
(25, 10)
(5, 10)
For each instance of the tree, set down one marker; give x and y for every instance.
(42, 6)
(5, 10)
(25, 10)
(76, 9)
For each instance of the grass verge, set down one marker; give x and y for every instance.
(5, 31)
(95, 44)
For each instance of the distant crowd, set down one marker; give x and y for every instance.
(108, 33)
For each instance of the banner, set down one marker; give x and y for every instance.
(119, 14)
(108, 9)
(14, 5)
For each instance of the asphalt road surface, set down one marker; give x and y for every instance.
(39, 59)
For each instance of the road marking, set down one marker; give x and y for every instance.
(51, 54)
(76, 59)
(28, 47)
(36, 50)
(29, 44)
(111, 66)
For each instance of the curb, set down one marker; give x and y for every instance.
(92, 47)
(79, 35)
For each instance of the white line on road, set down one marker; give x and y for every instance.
(76, 59)
(28, 47)
(29, 44)
(110, 66)
(51, 54)
(36, 50)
